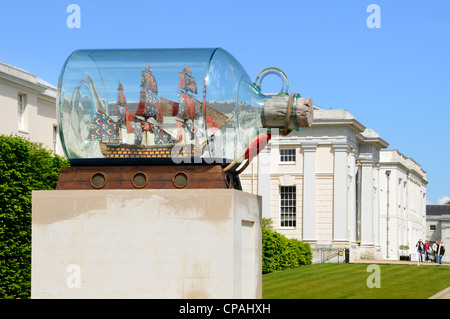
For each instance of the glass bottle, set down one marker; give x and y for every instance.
(168, 106)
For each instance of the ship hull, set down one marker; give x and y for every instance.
(153, 151)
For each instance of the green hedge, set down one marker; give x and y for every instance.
(24, 166)
(280, 253)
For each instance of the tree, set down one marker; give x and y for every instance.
(24, 166)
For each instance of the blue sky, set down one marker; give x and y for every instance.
(394, 79)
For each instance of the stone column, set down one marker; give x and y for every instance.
(264, 180)
(340, 188)
(367, 234)
(309, 192)
(352, 204)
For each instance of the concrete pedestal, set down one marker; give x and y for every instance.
(146, 244)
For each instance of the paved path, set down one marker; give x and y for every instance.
(444, 294)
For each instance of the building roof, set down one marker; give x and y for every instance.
(393, 156)
(438, 209)
(23, 77)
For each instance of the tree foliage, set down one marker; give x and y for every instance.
(280, 253)
(24, 166)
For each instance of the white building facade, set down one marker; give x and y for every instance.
(28, 107)
(438, 226)
(403, 192)
(325, 185)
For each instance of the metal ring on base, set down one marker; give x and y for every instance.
(180, 180)
(98, 180)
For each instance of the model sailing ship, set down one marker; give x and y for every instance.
(181, 138)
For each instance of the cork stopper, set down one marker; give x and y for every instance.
(287, 112)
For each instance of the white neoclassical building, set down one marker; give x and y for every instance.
(327, 185)
(403, 192)
(28, 107)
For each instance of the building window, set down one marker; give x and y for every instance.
(432, 227)
(287, 156)
(21, 108)
(287, 206)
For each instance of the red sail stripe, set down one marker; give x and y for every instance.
(190, 105)
(160, 118)
(129, 118)
(149, 83)
(142, 104)
(121, 100)
(182, 81)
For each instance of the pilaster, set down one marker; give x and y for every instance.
(367, 232)
(340, 188)
(264, 180)
(309, 192)
(352, 201)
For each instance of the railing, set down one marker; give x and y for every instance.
(332, 255)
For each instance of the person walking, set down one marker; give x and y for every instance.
(441, 251)
(435, 248)
(419, 246)
(426, 247)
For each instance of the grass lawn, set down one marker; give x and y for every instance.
(348, 281)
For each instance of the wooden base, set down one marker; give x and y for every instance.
(147, 177)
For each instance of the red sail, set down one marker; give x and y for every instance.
(190, 84)
(187, 69)
(187, 108)
(187, 83)
(170, 108)
(121, 100)
(148, 82)
(149, 107)
(182, 81)
(142, 103)
(129, 119)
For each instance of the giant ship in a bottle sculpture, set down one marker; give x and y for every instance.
(158, 130)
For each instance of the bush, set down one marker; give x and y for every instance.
(24, 166)
(280, 253)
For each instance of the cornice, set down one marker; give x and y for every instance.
(407, 164)
(351, 123)
(371, 137)
(28, 82)
(309, 147)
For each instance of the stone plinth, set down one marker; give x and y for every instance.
(146, 244)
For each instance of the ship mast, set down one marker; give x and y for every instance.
(188, 108)
(149, 104)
